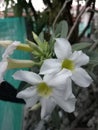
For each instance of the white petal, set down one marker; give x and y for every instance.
(81, 77)
(72, 96)
(30, 102)
(29, 77)
(62, 48)
(50, 66)
(66, 105)
(66, 92)
(58, 80)
(10, 50)
(29, 95)
(47, 105)
(68, 89)
(79, 58)
(3, 68)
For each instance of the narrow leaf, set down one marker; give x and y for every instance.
(34, 46)
(80, 46)
(37, 39)
(93, 57)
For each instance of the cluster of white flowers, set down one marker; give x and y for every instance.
(53, 85)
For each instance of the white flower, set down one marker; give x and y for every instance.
(68, 60)
(4, 63)
(50, 91)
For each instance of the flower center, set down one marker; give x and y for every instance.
(44, 90)
(68, 64)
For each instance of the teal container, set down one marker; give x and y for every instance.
(11, 114)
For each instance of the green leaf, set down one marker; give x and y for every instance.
(94, 77)
(94, 62)
(80, 46)
(93, 57)
(34, 46)
(62, 29)
(41, 36)
(37, 39)
(56, 119)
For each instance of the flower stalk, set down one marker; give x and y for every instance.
(13, 63)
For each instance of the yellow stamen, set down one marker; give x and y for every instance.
(44, 90)
(68, 64)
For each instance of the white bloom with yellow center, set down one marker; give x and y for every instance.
(69, 61)
(50, 91)
(4, 62)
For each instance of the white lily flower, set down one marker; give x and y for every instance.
(50, 91)
(4, 62)
(68, 60)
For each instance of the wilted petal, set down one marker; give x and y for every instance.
(79, 58)
(50, 66)
(29, 95)
(81, 77)
(3, 68)
(62, 48)
(4, 62)
(10, 49)
(47, 105)
(29, 77)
